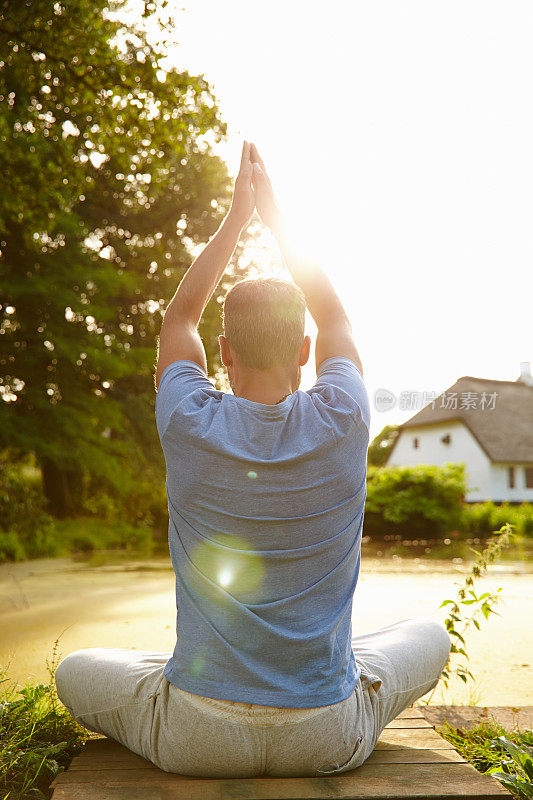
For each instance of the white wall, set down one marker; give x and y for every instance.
(500, 484)
(463, 447)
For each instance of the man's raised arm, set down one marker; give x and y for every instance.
(334, 336)
(179, 337)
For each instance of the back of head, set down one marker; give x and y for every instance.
(264, 322)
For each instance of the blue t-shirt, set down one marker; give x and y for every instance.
(266, 510)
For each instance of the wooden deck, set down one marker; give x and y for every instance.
(410, 761)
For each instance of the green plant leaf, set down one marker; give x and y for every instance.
(518, 787)
(518, 754)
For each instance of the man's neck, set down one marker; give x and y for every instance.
(261, 386)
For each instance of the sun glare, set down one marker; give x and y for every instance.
(399, 181)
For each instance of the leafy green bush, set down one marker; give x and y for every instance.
(477, 518)
(139, 500)
(87, 534)
(11, 548)
(80, 535)
(481, 519)
(414, 500)
(125, 522)
(527, 519)
(428, 500)
(26, 530)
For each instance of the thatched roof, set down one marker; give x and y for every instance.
(503, 425)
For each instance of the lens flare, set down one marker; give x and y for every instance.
(224, 577)
(231, 563)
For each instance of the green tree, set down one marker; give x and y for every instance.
(109, 180)
(380, 447)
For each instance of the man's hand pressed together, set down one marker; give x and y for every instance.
(179, 338)
(334, 336)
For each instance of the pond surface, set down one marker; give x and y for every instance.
(385, 552)
(117, 600)
(518, 556)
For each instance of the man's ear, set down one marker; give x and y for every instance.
(305, 351)
(225, 353)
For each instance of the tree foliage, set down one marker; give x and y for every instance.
(380, 447)
(109, 180)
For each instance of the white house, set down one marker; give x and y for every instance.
(487, 425)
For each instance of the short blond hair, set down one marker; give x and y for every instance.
(264, 322)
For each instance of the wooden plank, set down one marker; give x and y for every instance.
(410, 713)
(128, 761)
(418, 738)
(369, 782)
(109, 793)
(115, 775)
(408, 723)
(406, 755)
(98, 747)
(106, 751)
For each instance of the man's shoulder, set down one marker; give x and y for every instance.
(184, 386)
(340, 388)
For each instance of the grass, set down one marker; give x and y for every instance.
(38, 736)
(490, 748)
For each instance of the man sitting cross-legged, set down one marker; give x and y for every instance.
(266, 490)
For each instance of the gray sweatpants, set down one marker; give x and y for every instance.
(124, 695)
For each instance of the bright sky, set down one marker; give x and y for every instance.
(400, 134)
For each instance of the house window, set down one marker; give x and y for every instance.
(511, 478)
(529, 477)
(415, 443)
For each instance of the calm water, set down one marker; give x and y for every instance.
(382, 554)
(120, 600)
(517, 556)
